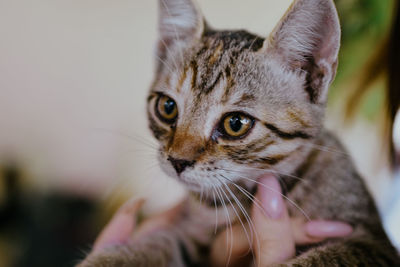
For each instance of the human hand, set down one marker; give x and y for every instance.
(123, 226)
(275, 233)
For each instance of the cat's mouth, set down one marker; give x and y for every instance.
(212, 182)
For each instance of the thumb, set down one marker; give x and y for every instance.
(274, 242)
(121, 226)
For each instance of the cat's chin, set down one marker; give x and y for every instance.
(191, 186)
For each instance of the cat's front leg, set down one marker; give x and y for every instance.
(174, 239)
(364, 252)
(161, 249)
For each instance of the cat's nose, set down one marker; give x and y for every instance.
(180, 164)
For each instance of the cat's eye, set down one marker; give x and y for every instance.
(166, 109)
(236, 125)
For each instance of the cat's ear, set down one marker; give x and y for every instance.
(180, 21)
(308, 38)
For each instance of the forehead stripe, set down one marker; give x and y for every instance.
(194, 67)
(295, 117)
(181, 80)
(216, 55)
(229, 85)
(211, 87)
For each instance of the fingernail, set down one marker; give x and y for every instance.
(326, 229)
(270, 194)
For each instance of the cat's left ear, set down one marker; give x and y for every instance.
(180, 22)
(307, 39)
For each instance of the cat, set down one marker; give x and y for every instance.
(228, 106)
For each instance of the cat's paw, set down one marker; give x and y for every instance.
(111, 257)
(127, 256)
(104, 261)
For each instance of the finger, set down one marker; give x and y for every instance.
(328, 229)
(274, 242)
(312, 232)
(121, 226)
(160, 221)
(231, 248)
(300, 234)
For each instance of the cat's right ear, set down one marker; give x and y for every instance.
(180, 22)
(307, 40)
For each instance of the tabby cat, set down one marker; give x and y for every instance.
(228, 106)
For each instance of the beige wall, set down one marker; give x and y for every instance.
(73, 80)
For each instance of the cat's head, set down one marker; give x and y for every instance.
(227, 104)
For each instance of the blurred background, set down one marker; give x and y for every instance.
(74, 143)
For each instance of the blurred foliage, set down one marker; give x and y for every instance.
(365, 25)
(374, 100)
(359, 17)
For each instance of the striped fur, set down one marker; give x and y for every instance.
(281, 82)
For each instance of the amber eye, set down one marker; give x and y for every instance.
(237, 125)
(166, 109)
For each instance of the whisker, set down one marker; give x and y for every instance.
(169, 51)
(248, 219)
(216, 209)
(201, 193)
(326, 148)
(231, 243)
(285, 197)
(164, 63)
(229, 222)
(238, 203)
(302, 180)
(148, 152)
(248, 237)
(139, 139)
(117, 187)
(175, 29)
(253, 42)
(251, 197)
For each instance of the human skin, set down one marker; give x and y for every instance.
(277, 233)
